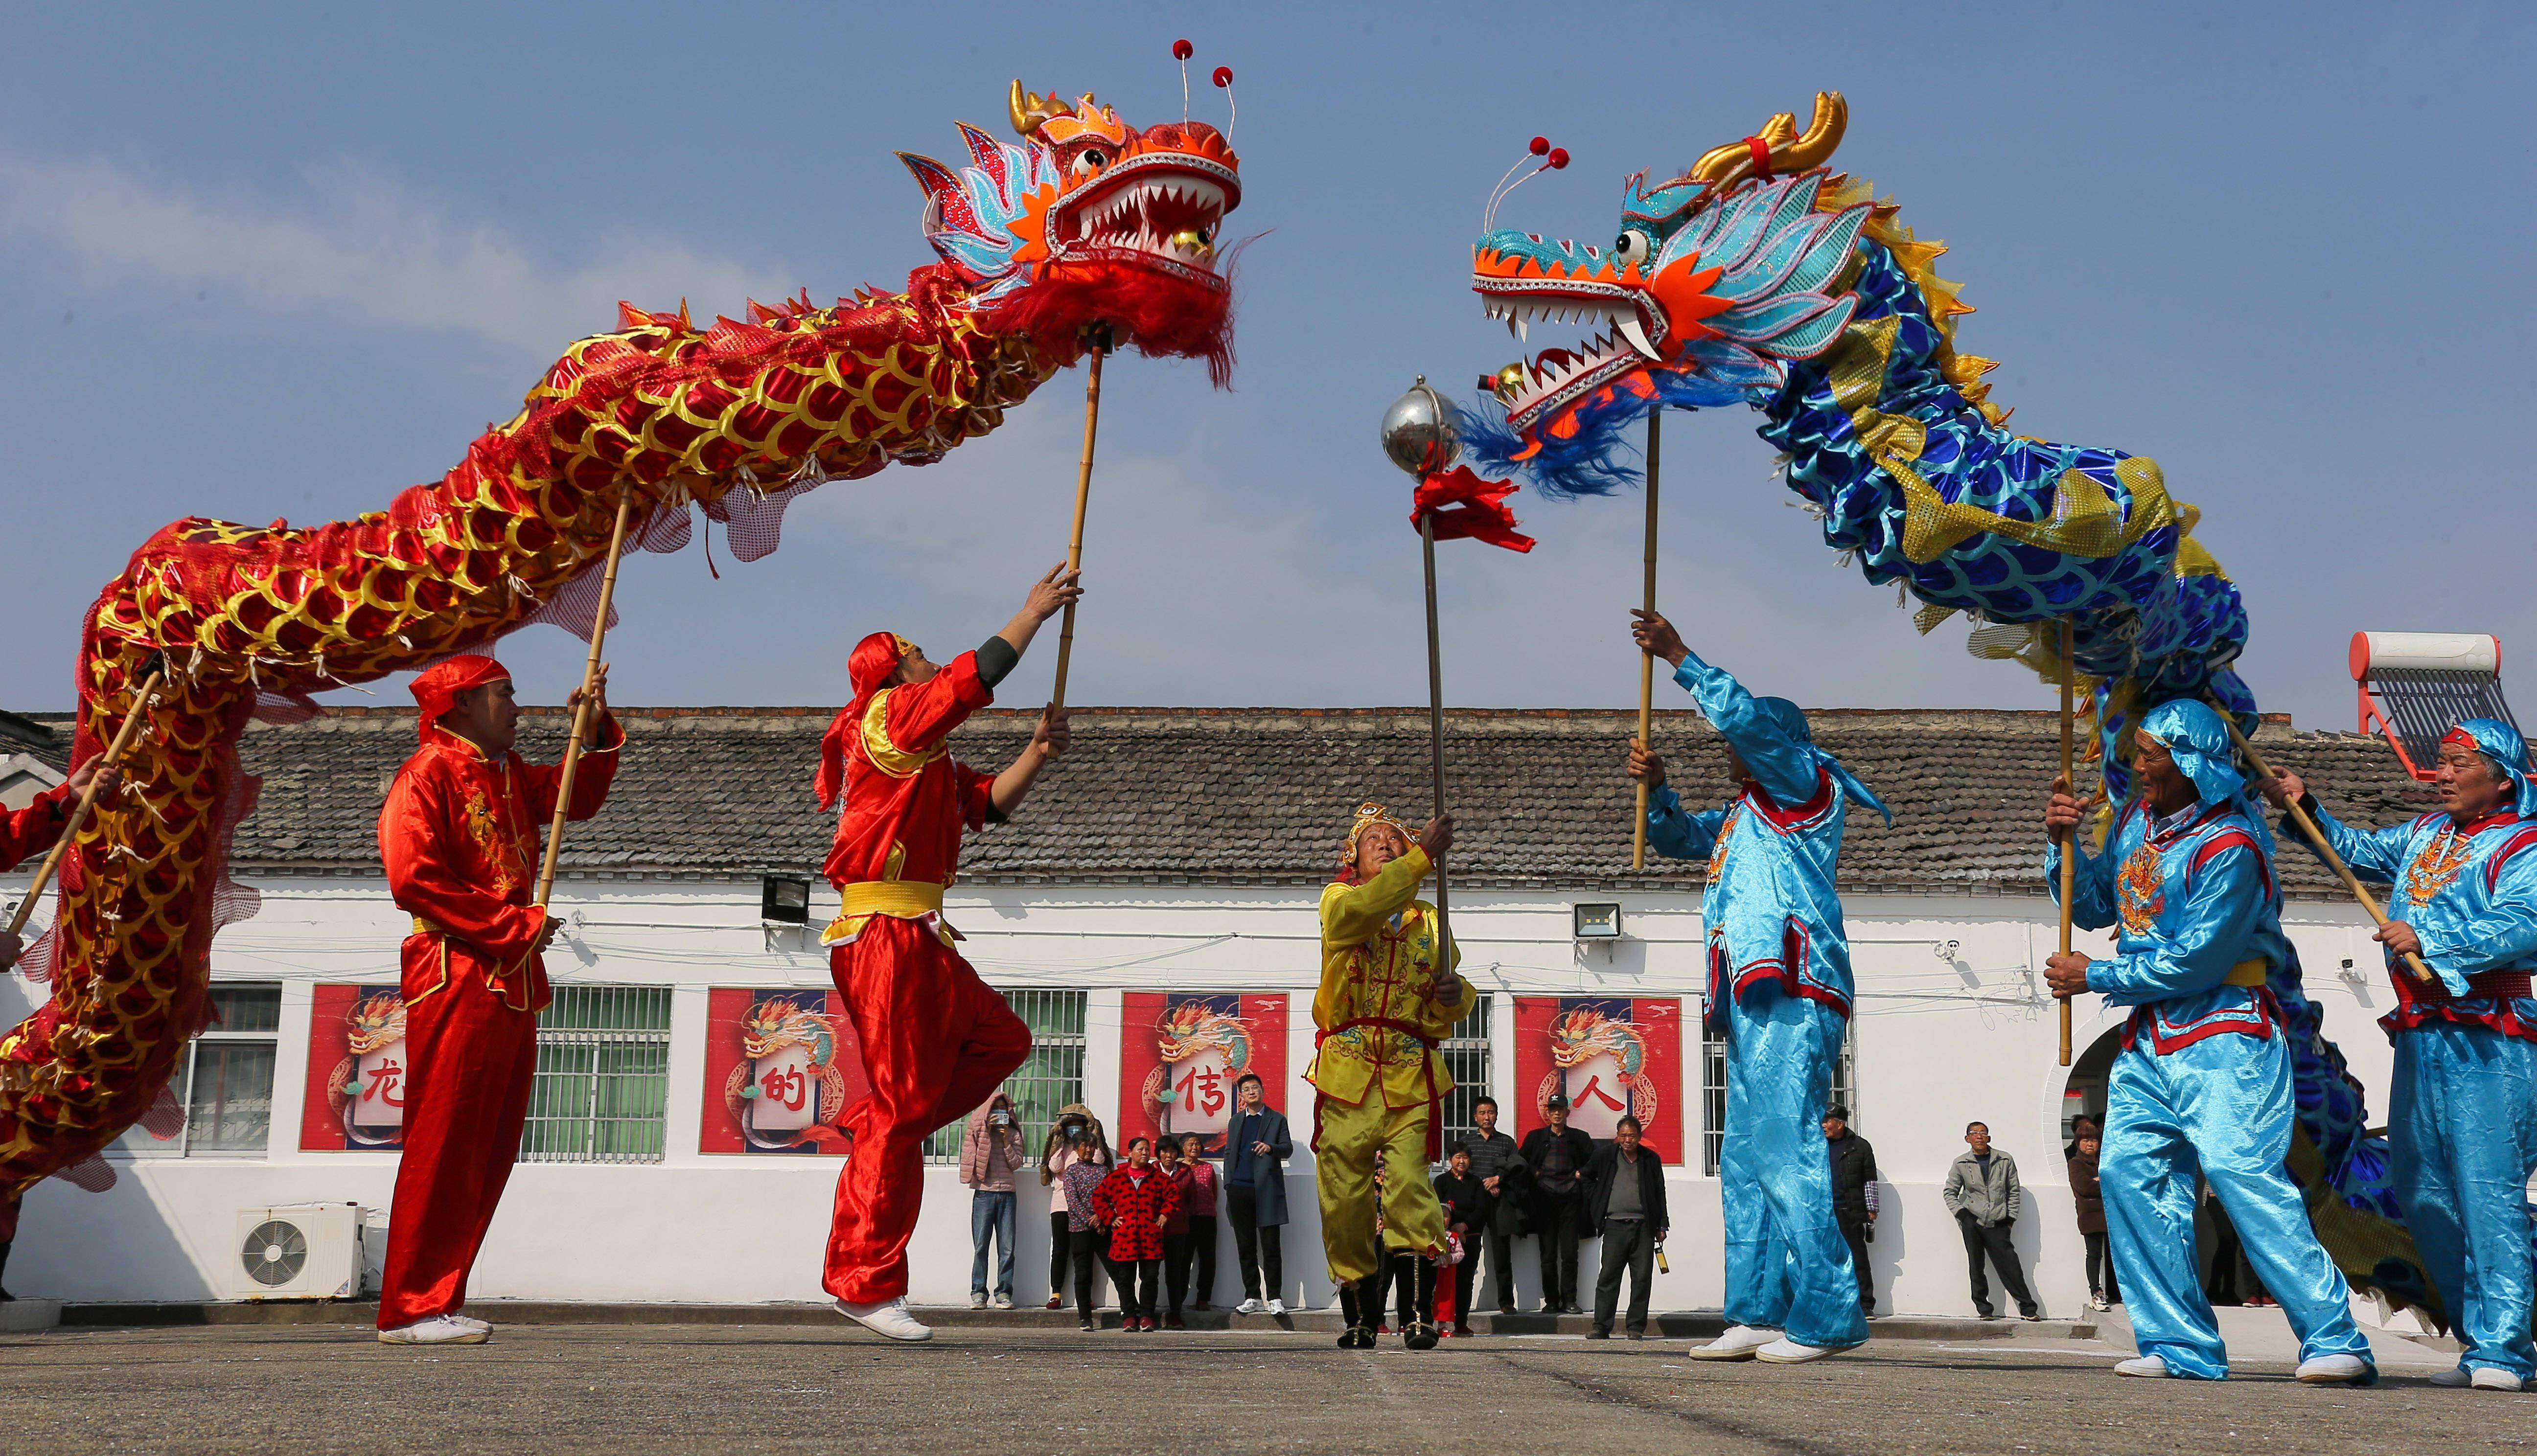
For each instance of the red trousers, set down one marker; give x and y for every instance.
(470, 1061)
(937, 1041)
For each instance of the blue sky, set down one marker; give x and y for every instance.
(285, 261)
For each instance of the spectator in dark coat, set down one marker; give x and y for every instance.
(1255, 1149)
(1625, 1197)
(1556, 1155)
(2090, 1201)
(1466, 1205)
(1501, 1174)
(1854, 1196)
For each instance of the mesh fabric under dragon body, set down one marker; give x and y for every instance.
(1788, 289)
(1088, 221)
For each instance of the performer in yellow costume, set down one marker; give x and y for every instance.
(1388, 996)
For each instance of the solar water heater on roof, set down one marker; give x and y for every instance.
(2414, 686)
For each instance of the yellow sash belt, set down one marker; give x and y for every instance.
(901, 900)
(2245, 972)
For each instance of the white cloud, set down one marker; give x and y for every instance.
(362, 251)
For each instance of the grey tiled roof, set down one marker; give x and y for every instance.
(1263, 794)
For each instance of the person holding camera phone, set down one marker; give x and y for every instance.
(1074, 1139)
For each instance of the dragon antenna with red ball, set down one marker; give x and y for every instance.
(1552, 159)
(1182, 50)
(1224, 82)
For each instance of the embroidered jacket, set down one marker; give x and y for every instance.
(2470, 894)
(1770, 907)
(2198, 919)
(907, 801)
(1378, 957)
(461, 835)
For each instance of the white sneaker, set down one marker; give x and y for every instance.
(440, 1329)
(2488, 1378)
(469, 1321)
(2332, 1370)
(2099, 1304)
(1250, 1306)
(977, 1300)
(1786, 1351)
(2455, 1378)
(2147, 1367)
(1276, 1307)
(1004, 1301)
(1738, 1342)
(888, 1317)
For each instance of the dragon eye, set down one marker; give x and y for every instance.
(1093, 160)
(1632, 247)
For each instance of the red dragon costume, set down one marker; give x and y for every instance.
(1087, 221)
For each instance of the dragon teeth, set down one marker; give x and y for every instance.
(1638, 336)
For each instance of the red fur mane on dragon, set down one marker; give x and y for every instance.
(1087, 223)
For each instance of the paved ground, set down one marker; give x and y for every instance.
(583, 1388)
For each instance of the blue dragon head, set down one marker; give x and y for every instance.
(1717, 280)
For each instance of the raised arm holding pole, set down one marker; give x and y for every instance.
(2307, 827)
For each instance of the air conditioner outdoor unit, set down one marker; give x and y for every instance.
(298, 1252)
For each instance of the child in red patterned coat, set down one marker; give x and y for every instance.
(1133, 1204)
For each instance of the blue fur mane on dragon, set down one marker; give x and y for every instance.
(1760, 277)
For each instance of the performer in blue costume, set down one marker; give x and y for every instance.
(1780, 989)
(2464, 1104)
(2203, 1083)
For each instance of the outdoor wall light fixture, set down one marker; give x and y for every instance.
(1599, 921)
(784, 899)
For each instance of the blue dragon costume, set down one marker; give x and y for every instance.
(1762, 278)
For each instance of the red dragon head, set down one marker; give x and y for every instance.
(1091, 222)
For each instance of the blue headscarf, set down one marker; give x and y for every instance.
(1791, 719)
(2195, 737)
(2506, 750)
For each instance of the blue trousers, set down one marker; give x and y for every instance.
(990, 1212)
(2220, 1108)
(1787, 1265)
(2463, 1119)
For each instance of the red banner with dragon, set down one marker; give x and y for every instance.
(782, 1066)
(1180, 1054)
(1610, 1056)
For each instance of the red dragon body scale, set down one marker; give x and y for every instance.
(1089, 221)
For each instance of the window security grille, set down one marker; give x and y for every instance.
(601, 1093)
(1713, 1090)
(1049, 1079)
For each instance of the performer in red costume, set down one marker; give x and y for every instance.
(937, 1040)
(460, 836)
(25, 833)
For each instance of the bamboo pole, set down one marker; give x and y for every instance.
(1646, 660)
(581, 715)
(114, 755)
(1082, 500)
(2316, 837)
(1436, 733)
(2069, 837)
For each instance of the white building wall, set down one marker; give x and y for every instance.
(1951, 1026)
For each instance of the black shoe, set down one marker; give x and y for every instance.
(1547, 1309)
(1357, 1323)
(1638, 1334)
(1418, 1325)
(1507, 1308)
(1572, 1309)
(1086, 1327)
(1598, 1334)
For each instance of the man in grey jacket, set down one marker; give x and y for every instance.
(1984, 1194)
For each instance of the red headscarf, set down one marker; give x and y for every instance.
(868, 668)
(437, 685)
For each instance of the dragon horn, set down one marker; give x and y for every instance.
(1029, 110)
(1723, 167)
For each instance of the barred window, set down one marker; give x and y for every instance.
(601, 1093)
(1712, 1087)
(224, 1082)
(1466, 1059)
(1051, 1077)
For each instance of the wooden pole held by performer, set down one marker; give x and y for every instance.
(1436, 723)
(1083, 499)
(114, 755)
(1647, 662)
(2316, 837)
(581, 715)
(2069, 837)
